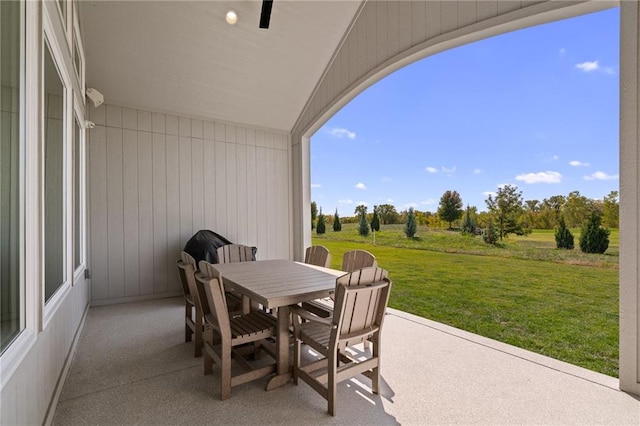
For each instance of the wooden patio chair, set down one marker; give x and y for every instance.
(237, 253)
(193, 308)
(234, 301)
(357, 259)
(358, 317)
(351, 261)
(227, 336)
(234, 253)
(318, 256)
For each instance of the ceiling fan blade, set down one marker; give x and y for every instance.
(265, 16)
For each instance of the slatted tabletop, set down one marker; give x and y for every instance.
(275, 283)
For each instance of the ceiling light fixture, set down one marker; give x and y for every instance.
(231, 17)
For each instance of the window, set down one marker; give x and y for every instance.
(11, 288)
(54, 177)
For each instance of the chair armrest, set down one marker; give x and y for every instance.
(302, 313)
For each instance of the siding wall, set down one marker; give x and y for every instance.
(26, 398)
(156, 179)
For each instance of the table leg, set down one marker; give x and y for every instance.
(283, 370)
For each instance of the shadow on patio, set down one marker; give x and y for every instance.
(132, 366)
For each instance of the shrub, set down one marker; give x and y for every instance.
(363, 226)
(564, 237)
(411, 227)
(337, 226)
(593, 238)
(320, 226)
(490, 235)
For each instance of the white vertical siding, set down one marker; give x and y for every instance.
(160, 178)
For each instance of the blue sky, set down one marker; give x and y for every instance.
(536, 108)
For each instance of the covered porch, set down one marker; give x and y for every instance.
(207, 126)
(131, 367)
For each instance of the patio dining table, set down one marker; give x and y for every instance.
(276, 284)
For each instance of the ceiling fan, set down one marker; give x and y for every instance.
(265, 15)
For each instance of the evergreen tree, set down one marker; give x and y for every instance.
(337, 226)
(375, 221)
(564, 237)
(593, 238)
(321, 226)
(363, 226)
(314, 213)
(450, 208)
(490, 235)
(468, 223)
(411, 227)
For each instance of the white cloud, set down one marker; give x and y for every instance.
(562, 51)
(555, 157)
(386, 179)
(431, 169)
(428, 202)
(609, 70)
(502, 185)
(409, 205)
(588, 66)
(600, 176)
(361, 185)
(448, 171)
(389, 200)
(362, 203)
(316, 185)
(540, 177)
(477, 171)
(576, 163)
(341, 132)
(487, 193)
(347, 201)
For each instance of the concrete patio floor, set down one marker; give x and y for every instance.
(132, 366)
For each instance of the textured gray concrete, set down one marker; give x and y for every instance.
(132, 367)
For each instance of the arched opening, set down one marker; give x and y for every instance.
(351, 134)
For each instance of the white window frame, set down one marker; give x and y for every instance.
(50, 41)
(78, 47)
(82, 176)
(13, 355)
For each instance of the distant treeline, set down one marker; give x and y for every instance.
(574, 208)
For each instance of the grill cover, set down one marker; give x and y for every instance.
(204, 245)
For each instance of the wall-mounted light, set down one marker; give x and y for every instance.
(231, 17)
(95, 96)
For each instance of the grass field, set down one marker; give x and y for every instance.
(563, 304)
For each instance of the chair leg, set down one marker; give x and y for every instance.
(208, 362)
(296, 360)
(225, 373)
(187, 315)
(331, 383)
(375, 376)
(198, 333)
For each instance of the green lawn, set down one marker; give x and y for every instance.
(557, 303)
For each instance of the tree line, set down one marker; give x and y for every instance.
(507, 211)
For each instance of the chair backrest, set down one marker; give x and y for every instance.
(357, 259)
(358, 312)
(235, 253)
(363, 276)
(207, 270)
(217, 314)
(187, 270)
(318, 256)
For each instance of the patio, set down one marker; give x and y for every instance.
(131, 366)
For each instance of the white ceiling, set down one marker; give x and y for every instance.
(182, 57)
